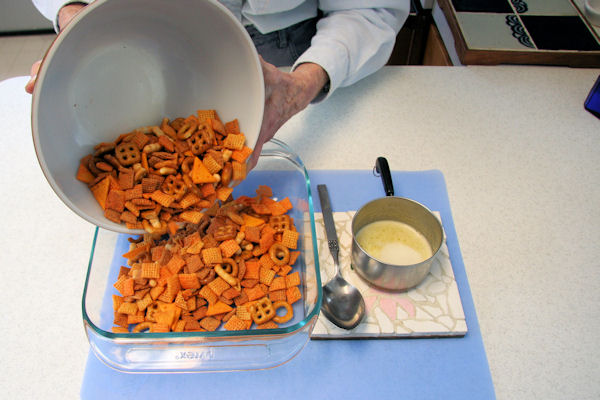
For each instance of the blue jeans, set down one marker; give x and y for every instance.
(282, 48)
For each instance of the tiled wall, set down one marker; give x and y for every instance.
(524, 25)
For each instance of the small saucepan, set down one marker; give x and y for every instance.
(388, 253)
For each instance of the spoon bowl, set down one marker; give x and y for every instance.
(342, 303)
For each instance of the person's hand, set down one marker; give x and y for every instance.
(286, 94)
(65, 15)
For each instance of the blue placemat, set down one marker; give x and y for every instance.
(444, 368)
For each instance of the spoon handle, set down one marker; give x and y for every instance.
(332, 239)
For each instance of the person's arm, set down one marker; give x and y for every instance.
(61, 13)
(352, 42)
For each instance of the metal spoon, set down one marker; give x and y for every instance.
(342, 303)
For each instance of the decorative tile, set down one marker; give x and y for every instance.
(544, 7)
(433, 308)
(538, 32)
(560, 33)
(493, 31)
(482, 6)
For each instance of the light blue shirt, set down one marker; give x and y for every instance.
(354, 38)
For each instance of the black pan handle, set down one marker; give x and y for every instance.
(382, 167)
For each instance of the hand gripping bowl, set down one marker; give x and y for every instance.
(221, 350)
(124, 64)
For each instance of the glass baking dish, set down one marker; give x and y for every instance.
(222, 350)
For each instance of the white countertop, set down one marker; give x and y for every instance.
(520, 157)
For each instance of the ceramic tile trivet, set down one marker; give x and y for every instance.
(432, 309)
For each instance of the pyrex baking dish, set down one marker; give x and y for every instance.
(221, 350)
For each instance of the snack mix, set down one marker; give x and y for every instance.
(207, 261)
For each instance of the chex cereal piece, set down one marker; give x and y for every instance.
(150, 270)
(292, 279)
(159, 328)
(252, 270)
(162, 198)
(266, 261)
(189, 281)
(208, 294)
(266, 275)
(243, 312)
(212, 256)
(135, 319)
(115, 200)
(211, 164)
(156, 291)
(119, 329)
(241, 155)
(145, 302)
(229, 248)
(293, 294)
(193, 217)
(235, 324)
(192, 325)
(200, 312)
(120, 320)
(128, 216)
(194, 263)
(223, 193)
(124, 285)
(175, 264)
(278, 295)
(234, 141)
(254, 293)
(232, 126)
(289, 239)
(189, 200)
(203, 115)
(114, 216)
(172, 289)
(218, 285)
(239, 171)
(210, 323)
(128, 308)
(134, 193)
(180, 325)
(268, 325)
(180, 301)
(117, 301)
(277, 283)
(231, 293)
(284, 270)
(191, 303)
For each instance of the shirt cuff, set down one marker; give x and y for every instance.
(65, 3)
(333, 58)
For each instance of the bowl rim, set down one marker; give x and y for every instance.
(35, 98)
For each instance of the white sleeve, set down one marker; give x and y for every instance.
(50, 8)
(352, 43)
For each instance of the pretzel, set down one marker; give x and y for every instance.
(280, 255)
(199, 142)
(127, 154)
(230, 266)
(289, 312)
(174, 187)
(279, 222)
(234, 282)
(262, 311)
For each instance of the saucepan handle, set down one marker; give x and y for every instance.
(382, 167)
